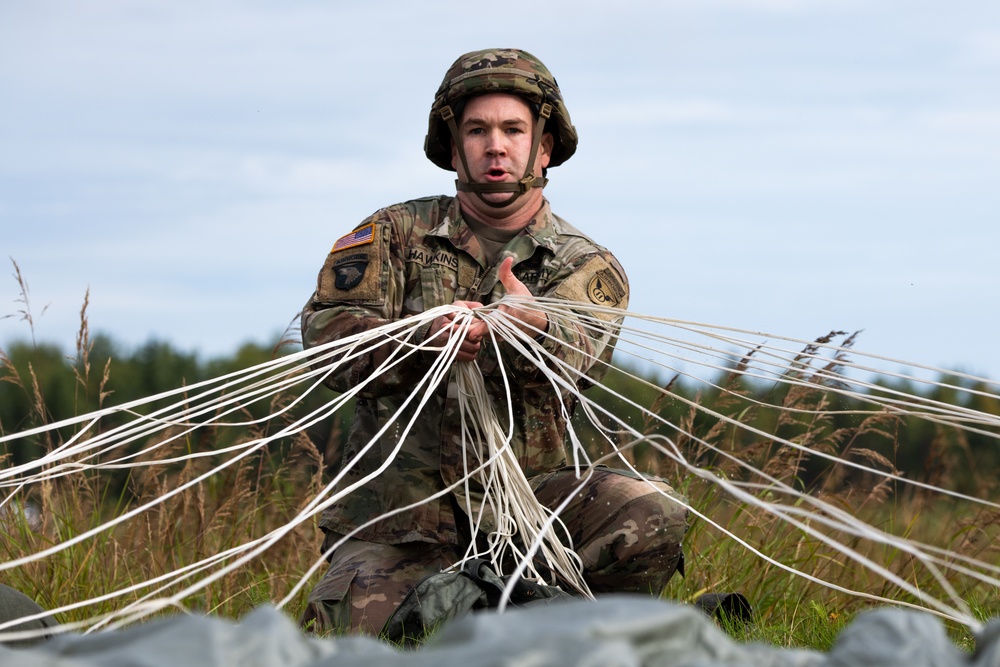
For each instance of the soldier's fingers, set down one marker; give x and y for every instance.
(467, 353)
(477, 330)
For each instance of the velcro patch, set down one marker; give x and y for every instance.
(360, 276)
(595, 282)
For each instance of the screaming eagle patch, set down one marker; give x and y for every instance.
(349, 271)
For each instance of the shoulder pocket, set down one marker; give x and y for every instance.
(357, 269)
(596, 282)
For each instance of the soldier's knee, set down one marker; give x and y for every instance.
(366, 582)
(642, 549)
(328, 609)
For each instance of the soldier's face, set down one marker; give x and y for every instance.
(496, 131)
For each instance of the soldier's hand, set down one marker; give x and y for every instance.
(529, 320)
(445, 326)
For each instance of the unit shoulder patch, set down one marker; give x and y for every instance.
(605, 289)
(596, 282)
(349, 271)
(356, 276)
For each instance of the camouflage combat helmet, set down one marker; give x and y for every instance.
(499, 71)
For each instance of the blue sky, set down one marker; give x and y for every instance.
(777, 165)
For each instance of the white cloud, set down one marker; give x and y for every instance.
(646, 112)
(971, 121)
(982, 48)
(135, 159)
(783, 6)
(652, 112)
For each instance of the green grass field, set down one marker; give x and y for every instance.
(267, 489)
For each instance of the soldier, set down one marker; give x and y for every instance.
(500, 122)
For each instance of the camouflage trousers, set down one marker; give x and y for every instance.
(627, 531)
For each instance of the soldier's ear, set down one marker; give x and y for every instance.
(545, 149)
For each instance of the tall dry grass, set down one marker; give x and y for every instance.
(792, 610)
(246, 500)
(265, 491)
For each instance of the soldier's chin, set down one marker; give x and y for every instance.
(498, 197)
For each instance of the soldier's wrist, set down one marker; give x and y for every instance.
(541, 335)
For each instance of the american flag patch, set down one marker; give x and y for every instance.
(358, 237)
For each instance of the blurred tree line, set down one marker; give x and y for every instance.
(732, 418)
(39, 384)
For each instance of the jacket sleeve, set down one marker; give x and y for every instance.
(585, 342)
(361, 287)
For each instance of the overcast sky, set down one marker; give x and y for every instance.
(779, 165)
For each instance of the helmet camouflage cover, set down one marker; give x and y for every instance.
(498, 71)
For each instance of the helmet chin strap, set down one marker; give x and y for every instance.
(517, 188)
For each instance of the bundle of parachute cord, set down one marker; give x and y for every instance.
(520, 530)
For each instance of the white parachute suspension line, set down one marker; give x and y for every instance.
(960, 614)
(709, 331)
(183, 416)
(472, 473)
(517, 514)
(252, 549)
(784, 357)
(181, 412)
(247, 449)
(445, 359)
(794, 445)
(499, 457)
(324, 499)
(788, 359)
(131, 432)
(846, 524)
(726, 419)
(959, 413)
(676, 454)
(159, 420)
(250, 447)
(142, 609)
(558, 554)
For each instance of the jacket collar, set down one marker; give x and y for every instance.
(542, 230)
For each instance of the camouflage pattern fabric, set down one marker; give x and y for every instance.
(366, 581)
(404, 260)
(624, 529)
(414, 256)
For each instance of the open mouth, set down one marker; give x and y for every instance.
(496, 174)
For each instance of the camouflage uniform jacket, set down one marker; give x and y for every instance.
(417, 255)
